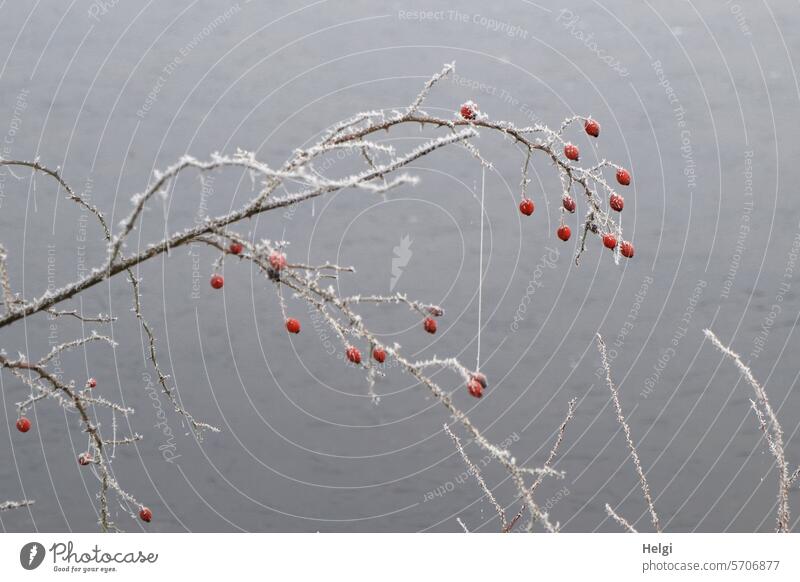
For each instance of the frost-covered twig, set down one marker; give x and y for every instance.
(66, 346)
(770, 426)
(601, 346)
(547, 468)
(475, 472)
(620, 520)
(97, 443)
(99, 318)
(196, 425)
(6, 505)
(6, 295)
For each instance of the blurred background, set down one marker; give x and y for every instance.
(699, 101)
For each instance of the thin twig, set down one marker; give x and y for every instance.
(619, 519)
(601, 346)
(771, 427)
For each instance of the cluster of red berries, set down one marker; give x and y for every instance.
(84, 459)
(277, 262)
(625, 247)
(378, 353)
(615, 201)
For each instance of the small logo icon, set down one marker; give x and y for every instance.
(402, 255)
(31, 555)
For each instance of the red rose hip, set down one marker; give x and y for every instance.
(91, 383)
(353, 354)
(475, 389)
(236, 248)
(527, 206)
(292, 325)
(616, 202)
(480, 377)
(23, 424)
(623, 177)
(568, 202)
(564, 232)
(217, 281)
(592, 127)
(609, 240)
(429, 324)
(469, 110)
(379, 354)
(571, 151)
(626, 249)
(145, 514)
(277, 260)
(84, 459)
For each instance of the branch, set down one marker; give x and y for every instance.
(601, 346)
(475, 472)
(6, 505)
(620, 520)
(773, 432)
